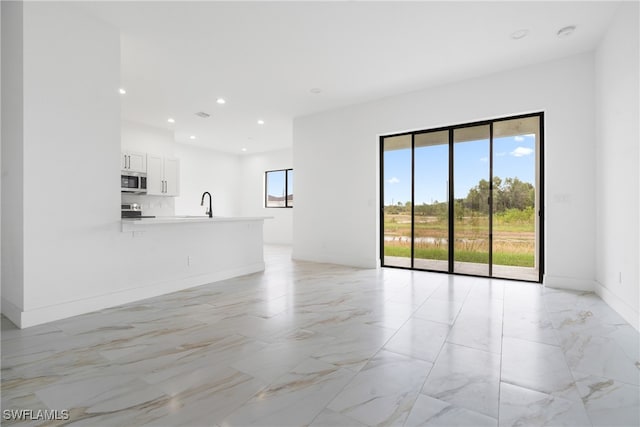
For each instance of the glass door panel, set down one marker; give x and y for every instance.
(431, 207)
(515, 200)
(471, 166)
(397, 189)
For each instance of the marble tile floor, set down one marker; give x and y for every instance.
(306, 344)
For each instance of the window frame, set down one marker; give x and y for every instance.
(286, 187)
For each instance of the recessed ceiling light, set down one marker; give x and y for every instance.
(520, 34)
(122, 91)
(221, 101)
(170, 120)
(566, 31)
(260, 122)
(244, 149)
(316, 90)
(192, 137)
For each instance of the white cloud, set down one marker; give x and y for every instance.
(502, 153)
(521, 152)
(519, 138)
(393, 180)
(484, 159)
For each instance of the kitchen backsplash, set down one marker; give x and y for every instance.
(152, 205)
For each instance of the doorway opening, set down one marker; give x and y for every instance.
(465, 199)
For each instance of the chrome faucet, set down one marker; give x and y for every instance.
(210, 211)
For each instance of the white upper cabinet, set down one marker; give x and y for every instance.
(155, 175)
(163, 175)
(171, 177)
(132, 161)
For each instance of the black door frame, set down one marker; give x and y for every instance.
(450, 129)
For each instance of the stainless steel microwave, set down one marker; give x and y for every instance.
(133, 182)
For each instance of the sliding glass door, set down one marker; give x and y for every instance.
(465, 199)
(431, 201)
(396, 214)
(516, 199)
(471, 178)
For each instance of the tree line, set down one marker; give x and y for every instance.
(508, 194)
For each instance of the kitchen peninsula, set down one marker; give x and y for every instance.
(163, 252)
(172, 253)
(133, 224)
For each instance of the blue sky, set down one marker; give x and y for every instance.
(275, 183)
(513, 157)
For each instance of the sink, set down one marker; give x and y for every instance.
(194, 217)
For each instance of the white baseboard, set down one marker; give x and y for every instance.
(11, 312)
(570, 283)
(40, 315)
(620, 306)
(336, 259)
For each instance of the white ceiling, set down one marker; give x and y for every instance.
(265, 57)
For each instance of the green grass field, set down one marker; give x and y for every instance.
(499, 258)
(513, 238)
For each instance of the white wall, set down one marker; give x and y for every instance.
(12, 157)
(206, 170)
(279, 229)
(147, 139)
(71, 129)
(617, 187)
(1, 50)
(76, 257)
(336, 158)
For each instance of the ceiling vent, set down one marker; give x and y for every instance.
(203, 114)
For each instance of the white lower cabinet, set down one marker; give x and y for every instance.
(163, 176)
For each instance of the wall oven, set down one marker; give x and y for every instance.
(133, 182)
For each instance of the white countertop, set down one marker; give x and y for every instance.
(130, 224)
